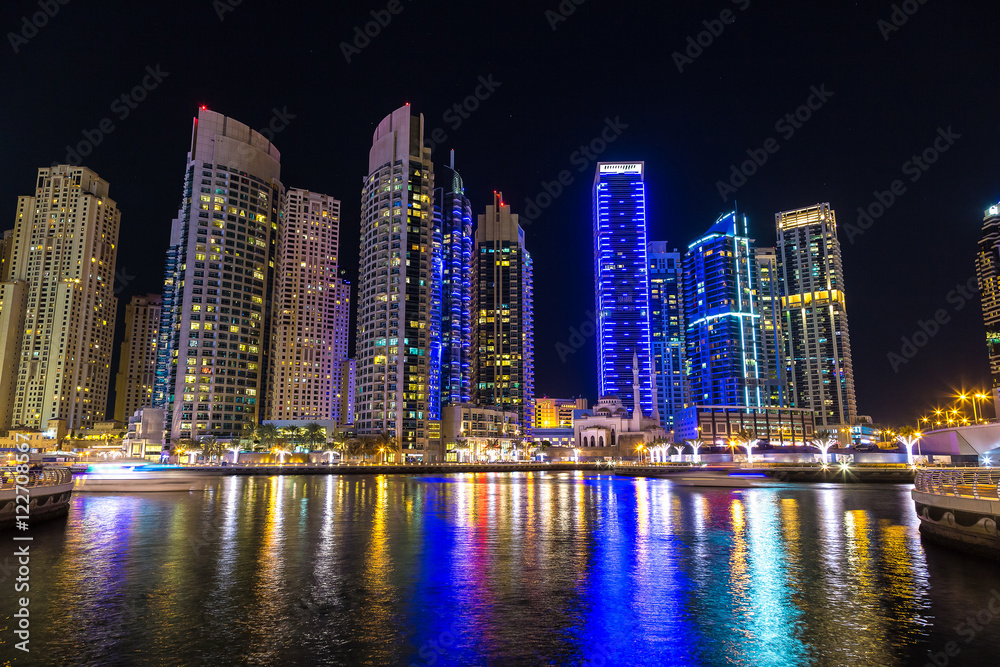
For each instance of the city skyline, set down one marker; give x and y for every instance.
(880, 123)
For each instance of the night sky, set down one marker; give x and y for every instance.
(555, 90)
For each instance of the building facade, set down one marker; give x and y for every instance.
(395, 326)
(137, 364)
(341, 339)
(348, 374)
(719, 424)
(666, 329)
(503, 347)
(215, 324)
(622, 281)
(308, 331)
(814, 316)
(988, 276)
(453, 281)
(58, 304)
(722, 323)
(556, 412)
(773, 373)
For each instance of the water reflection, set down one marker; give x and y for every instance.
(490, 568)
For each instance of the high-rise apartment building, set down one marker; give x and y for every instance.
(622, 282)
(503, 355)
(814, 315)
(395, 289)
(57, 305)
(988, 276)
(773, 373)
(453, 278)
(137, 363)
(556, 412)
(722, 334)
(215, 324)
(308, 331)
(666, 329)
(341, 337)
(348, 390)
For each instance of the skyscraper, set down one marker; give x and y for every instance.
(341, 337)
(722, 338)
(666, 327)
(137, 363)
(988, 276)
(215, 324)
(58, 306)
(622, 281)
(772, 359)
(395, 290)
(814, 315)
(308, 333)
(503, 344)
(453, 278)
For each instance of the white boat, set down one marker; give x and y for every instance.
(136, 478)
(720, 479)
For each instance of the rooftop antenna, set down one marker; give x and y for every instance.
(452, 165)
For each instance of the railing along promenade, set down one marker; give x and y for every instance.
(44, 477)
(978, 483)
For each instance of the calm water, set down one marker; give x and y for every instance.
(491, 569)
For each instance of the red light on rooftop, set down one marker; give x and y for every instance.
(204, 108)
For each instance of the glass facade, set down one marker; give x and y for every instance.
(723, 340)
(622, 281)
(814, 315)
(666, 327)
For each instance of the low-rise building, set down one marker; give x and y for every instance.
(470, 432)
(144, 435)
(718, 424)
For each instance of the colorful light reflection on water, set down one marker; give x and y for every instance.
(524, 568)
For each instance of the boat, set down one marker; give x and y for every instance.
(48, 493)
(721, 479)
(137, 477)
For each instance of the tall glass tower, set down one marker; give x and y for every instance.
(453, 282)
(216, 316)
(622, 282)
(814, 315)
(666, 325)
(988, 275)
(503, 343)
(396, 321)
(723, 337)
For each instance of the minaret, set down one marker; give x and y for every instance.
(637, 410)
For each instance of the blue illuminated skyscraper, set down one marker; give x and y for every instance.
(666, 328)
(622, 281)
(723, 338)
(453, 282)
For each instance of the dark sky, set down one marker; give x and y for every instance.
(607, 60)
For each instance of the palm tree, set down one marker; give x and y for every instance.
(211, 447)
(909, 438)
(184, 446)
(268, 434)
(384, 442)
(248, 433)
(313, 433)
(492, 445)
(281, 451)
(696, 445)
(823, 441)
(291, 435)
(356, 446)
(744, 439)
(235, 448)
(461, 445)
